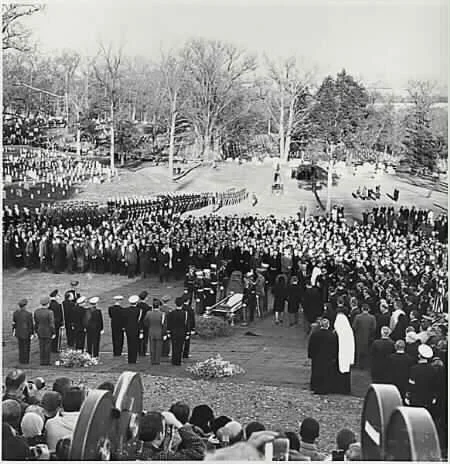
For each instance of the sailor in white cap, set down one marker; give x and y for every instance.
(132, 328)
(93, 322)
(421, 378)
(118, 317)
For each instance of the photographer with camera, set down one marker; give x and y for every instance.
(17, 388)
(156, 433)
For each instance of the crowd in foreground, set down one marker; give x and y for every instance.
(38, 423)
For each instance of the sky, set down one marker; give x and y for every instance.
(383, 43)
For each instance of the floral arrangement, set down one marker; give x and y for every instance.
(75, 358)
(212, 327)
(214, 368)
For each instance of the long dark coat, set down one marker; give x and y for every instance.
(294, 297)
(323, 352)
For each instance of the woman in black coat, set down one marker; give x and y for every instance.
(279, 297)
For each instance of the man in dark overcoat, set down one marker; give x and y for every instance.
(23, 330)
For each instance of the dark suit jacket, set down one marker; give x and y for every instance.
(44, 321)
(132, 318)
(57, 313)
(23, 323)
(177, 324)
(155, 321)
(379, 354)
(399, 367)
(93, 320)
(117, 314)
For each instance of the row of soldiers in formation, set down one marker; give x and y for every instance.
(156, 329)
(408, 220)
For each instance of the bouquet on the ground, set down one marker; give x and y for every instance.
(75, 358)
(215, 367)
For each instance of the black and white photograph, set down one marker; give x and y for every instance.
(225, 230)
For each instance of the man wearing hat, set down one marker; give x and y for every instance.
(23, 329)
(132, 328)
(177, 330)
(143, 331)
(78, 323)
(56, 308)
(44, 322)
(422, 381)
(93, 322)
(118, 320)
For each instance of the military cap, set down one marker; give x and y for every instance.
(94, 300)
(45, 301)
(133, 299)
(179, 301)
(118, 298)
(425, 351)
(81, 300)
(74, 283)
(53, 294)
(23, 302)
(166, 298)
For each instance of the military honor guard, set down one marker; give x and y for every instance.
(132, 329)
(44, 323)
(23, 330)
(56, 308)
(165, 308)
(118, 320)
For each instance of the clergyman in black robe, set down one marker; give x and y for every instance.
(322, 350)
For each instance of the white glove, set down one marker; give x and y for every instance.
(102, 332)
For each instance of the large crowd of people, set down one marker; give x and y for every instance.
(38, 422)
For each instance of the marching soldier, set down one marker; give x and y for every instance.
(56, 307)
(117, 316)
(132, 329)
(23, 330)
(93, 322)
(44, 323)
(177, 328)
(143, 331)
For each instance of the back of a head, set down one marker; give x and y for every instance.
(220, 422)
(181, 411)
(309, 430)
(73, 399)
(239, 452)
(14, 379)
(232, 431)
(344, 439)
(400, 345)
(202, 416)
(253, 427)
(108, 386)
(151, 425)
(61, 385)
(11, 413)
(63, 449)
(385, 331)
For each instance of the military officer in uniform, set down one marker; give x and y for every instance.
(56, 307)
(177, 328)
(422, 381)
(68, 310)
(23, 330)
(93, 322)
(190, 327)
(79, 329)
(165, 308)
(117, 315)
(189, 282)
(143, 330)
(132, 328)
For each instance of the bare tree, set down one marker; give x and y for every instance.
(289, 81)
(107, 69)
(215, 71)
(15, 35)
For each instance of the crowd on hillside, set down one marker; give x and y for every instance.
(42, 165)
(38, 422)
(28, 130)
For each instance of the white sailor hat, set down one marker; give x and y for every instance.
(425, 351)
(118, 297)
(81, 300)
(94, 300)
(133, 299)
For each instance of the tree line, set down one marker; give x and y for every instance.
(217, 98)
